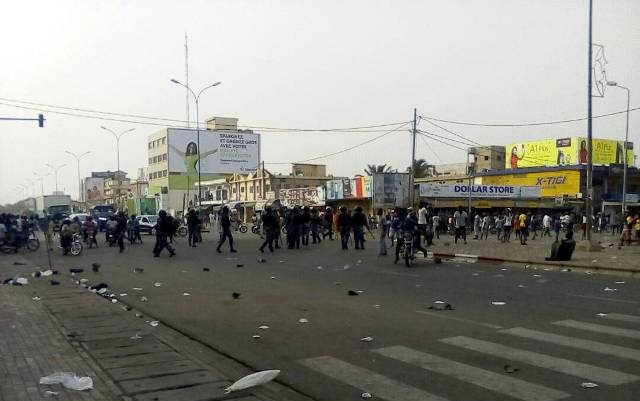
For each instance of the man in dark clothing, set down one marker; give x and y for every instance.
(314, 225)
(193, 224)
(163, 227)
(328, 223)
(225, 227)
(270, 226)
(305, 225)
(121, 229)
(359, 223)
(344, 226)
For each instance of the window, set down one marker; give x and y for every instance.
(234, 190)
(164, 173)
(150, 160)
(250, 190)
(164, 157)
(150, 175)
(486, 158)
(242, 189)
(164, 138)
(150, 145)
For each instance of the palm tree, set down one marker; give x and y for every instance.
(377, 168)
(422, 169)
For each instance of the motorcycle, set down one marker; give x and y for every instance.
(408, 251)
(31, 244)
(255, 229)
(75, 248)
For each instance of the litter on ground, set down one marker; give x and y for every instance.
(253, 380)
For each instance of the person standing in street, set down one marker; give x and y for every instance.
(315, 224)
(546, 225)
(193, 223)
(163, 227)
(523, 223)
(121, 228)
(383, 226)
(484, 226)
(460, 222)
(477, 226)
(499, 222)
(344, 227)
(508, 221)
(225, 233)
(269, 225)
(91, 229)
(422, 219)
(328, 223)
(436, 225)
(359, 223)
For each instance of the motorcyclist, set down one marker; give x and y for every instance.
(90, 229)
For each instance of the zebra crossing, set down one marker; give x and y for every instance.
(510, 386)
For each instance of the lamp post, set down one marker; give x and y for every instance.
(626, 145)
(117, 136)
(78, 157)
(55, 171)
(197, 99)
(40, 178)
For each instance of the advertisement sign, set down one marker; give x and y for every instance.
(566, 152)
(478, 191)
(94, 191)
(390, 190)
(302, 197)
(220, 152)
(551, 183)
(334, 189)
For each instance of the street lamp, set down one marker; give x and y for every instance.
(117, 136)
(626, 144)
(55, 171)
(78, 157)
(40, 178)
(197, 99)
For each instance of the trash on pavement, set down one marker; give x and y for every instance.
(143, 299)
(366, 339)
(239, 265)
(185, 294)
(21, 281)
(154, 323)
(498, 303)
(136, 337)
(253, 380)
(510, 369)
(115, 301)
(601, 314)
(262, 260)
(235, 295)
(49, 393)
(47, 273)
(263, 327)
(352, 293)
(157, 284)
(54, 282)
(138, 269)
(206, 269)
(76, 270)
(303, 320)
(366, 395)
(69, 380)
(589, 385)
(137, 288)
(619, 282)
(36, 298)
(256, 336)
(610, 289)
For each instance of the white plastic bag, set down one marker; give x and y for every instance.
(253, 380)
(69, 380)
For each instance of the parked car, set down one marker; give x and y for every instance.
(81, 216)
(147, 223)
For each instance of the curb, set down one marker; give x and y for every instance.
(613, 270)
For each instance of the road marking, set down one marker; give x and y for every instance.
(588, 345)
(604, 299)
(599, 328)
(365, 380)
(498, 383)
(458, 319)
(571, 368)
(623, 318)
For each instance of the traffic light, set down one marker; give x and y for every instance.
(40, 120)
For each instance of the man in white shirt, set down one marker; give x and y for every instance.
(436, 225)
(422, 219)
(546, 225)
(460, 223)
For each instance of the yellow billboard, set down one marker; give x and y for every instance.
(566, 152)
(551, 183)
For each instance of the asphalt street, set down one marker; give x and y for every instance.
(548, 330)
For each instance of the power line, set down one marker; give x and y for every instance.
(525, 124)
(447, 138)
(431, 149)
(451, 132)
(427, 135)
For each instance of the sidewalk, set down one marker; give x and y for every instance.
(624, 260)
(72, 329)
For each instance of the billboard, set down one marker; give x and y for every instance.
(551, 183)
(334, 189)
(478, 191)
(94, 191)
(566, 152)
(390, 190)
(361, 187)
(302, 197)
(220, 152)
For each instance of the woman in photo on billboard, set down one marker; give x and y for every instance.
(191, 158)
(583, 154)
(514, 156)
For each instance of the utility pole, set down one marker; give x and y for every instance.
(55, 172)
(588, 200)
(186, 73)
(470, 171)
(78, 157)
(412, 179)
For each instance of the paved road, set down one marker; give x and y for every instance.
(548, 328)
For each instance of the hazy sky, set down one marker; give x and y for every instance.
(305, 64)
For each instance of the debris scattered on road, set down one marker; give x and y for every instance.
(126, 308)
(601, 314)
(54, 282)
(206, 269)
(352, 293)
(49, 393)
(137, 288)
(366, 339)
(303, 320)
(235, 295)
(256, 336)
(136, 337)
(157, 284)
(154, 323)
(47, 273)
(619, 282)
(21, 280)
(262, 260)
(510, 369)
(498, 303)
(273, 277)
(68, 380)
(114, 301)
(76, 270)
(239, 265)
(139, 315)
(264, 327)
(440, 305)
(143, 299)
(589, 385)
(319, 267)
(138, 269)
(253, 380)
(520, 286)
(19, 264)
(377, 306)
(366, 395)
(610, 289)
(36, 298)
(185, 294)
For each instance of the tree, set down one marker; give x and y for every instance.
(422, 169)
(377, 168)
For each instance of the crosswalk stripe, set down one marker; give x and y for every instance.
(573, 342)
(599, 328)
(499, 383)
(582, 370)
(623, 318)
(379, 386)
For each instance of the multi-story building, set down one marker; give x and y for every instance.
(116, 188)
